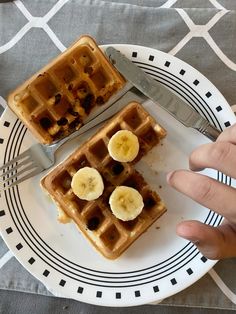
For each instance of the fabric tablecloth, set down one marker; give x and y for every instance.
(202, 33)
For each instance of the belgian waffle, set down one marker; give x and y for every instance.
(109, 235)
(55, 101)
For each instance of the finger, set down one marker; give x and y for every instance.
(206, 191)
(219, 155)
(228, 135)
(214, 243)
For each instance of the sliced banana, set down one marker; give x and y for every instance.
(87, 184)
(126, 203)
(123, 146)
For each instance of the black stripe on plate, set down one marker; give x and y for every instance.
(149, 277)
(102, 272)
(57, 264)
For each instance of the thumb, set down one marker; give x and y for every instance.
(213, 242)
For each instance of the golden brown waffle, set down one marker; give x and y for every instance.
(54, 102)
(109, 235)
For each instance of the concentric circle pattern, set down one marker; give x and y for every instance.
(62, 275)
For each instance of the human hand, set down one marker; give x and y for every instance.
(213, 242)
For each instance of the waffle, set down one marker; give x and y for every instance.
(109, 235)
(55, 101)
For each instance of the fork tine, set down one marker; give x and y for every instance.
(12, 161)
(29, 175)
(16, 167)
(17, 174)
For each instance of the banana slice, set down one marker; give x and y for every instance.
(126, 203)
(123, 146)
(87, 184)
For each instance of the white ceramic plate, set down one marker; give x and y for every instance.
(159, 264)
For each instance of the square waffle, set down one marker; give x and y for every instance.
(55, 101)
(109, 235)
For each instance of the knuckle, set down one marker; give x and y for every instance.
(220, 151)
(204, 190)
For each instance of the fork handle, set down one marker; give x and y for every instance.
(211, 132)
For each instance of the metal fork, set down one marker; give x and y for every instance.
(41, 157)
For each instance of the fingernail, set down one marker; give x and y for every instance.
(191, 239)
(168, 176)
(194, 241)
(185, 230)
